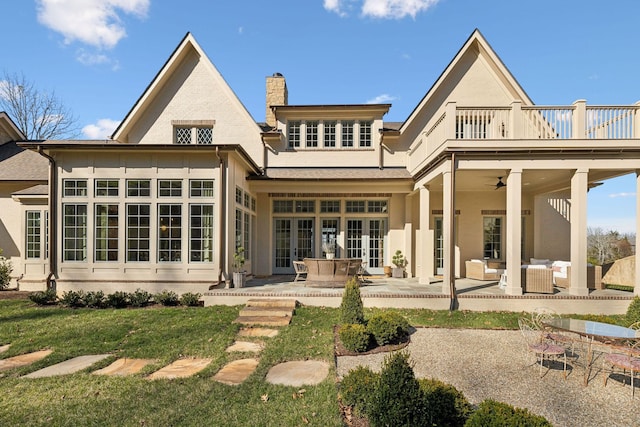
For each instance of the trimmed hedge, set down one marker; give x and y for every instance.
(354, 337)
(633, 312)
(491, 413)
(446, 405)
(190, 299)
(388, 327)
(48, 297)
(357, 389)
(351, 308)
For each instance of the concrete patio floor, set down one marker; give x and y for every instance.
(408, 293)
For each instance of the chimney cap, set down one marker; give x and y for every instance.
(277, 75)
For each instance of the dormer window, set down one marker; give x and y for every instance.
(193, 132)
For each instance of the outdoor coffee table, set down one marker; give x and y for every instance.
(605, 333)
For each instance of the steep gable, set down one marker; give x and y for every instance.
(8, 129)
(475, 77)
(189, 89)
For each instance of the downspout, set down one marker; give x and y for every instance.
(380, 158)
(453, 305)
(223, 219)
(53, 219)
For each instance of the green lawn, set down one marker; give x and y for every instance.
(165, 334)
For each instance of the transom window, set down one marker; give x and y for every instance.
(282, 206)
(74, 187)
(330, 206)
(201, 188)
(305, 206)
(106, 188)
(138, 188)
(239, 195)
(375, 206)
(247, 200)
(170, 188)
(354, 206)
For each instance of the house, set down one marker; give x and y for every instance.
(476, 171)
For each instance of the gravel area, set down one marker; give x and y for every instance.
(487, 364)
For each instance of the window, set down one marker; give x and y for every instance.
(201, 229)
(74, 240)
(354, 206)
(170, 188)
(330, 133)
(253, 204)
(492, 237)
(138, 228)
(106, 237)
(347, 133)
(169, 233)
(247, 200)
(306, 206)
(329, 206)
(204, 135)
(106, 188)
(33, 231)
(239, 195)
(201, 188)
(183, 135)
(365, 134)
(377, 206)
(312, 134)
(138, 188)
(293, 131)
(46, 234)
(282, 206)
(238, 229)
(74, 187)
(246, 233)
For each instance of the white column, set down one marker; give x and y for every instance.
(426, 242)
(636, 288)
(409, 237)
(578, 285)
(514, 232)
(447, 231)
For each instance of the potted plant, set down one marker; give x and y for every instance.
(400, 262)
(329, 249)
(238, 263)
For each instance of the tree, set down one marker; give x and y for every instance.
(604, 247)
(38, 114)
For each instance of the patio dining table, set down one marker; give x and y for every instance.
(605, 333)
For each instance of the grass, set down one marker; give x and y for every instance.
(165, 334)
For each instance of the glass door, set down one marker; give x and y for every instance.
(329, 236)
(293, 240)
(439, 246)
(365, 240)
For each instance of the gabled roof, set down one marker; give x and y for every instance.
(18, 164)
(186, 46)
(477, 43)
(8, 129)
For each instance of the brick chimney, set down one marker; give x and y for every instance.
(277, 94)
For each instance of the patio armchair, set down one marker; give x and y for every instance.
(477, 269)
(541, 347)
(562, 275)
(537, 278)
(626, 358)
(540, 316)
(301, 270)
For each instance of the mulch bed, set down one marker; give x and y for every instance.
(14, 295)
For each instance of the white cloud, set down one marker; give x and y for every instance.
(389, 9)
(615, 195)
(100, 130)
(240, 30)
(381, 99)
(94, 22)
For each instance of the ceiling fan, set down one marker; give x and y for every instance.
(499, 184)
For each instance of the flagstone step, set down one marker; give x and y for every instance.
(70, 366)
(268, 302)
(263, 320)
(258, 332)
(240, 346)
(234, 373)
(181, 368)
(125, 366)
(23, 359)
(266, 311)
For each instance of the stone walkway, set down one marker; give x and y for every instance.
(258, 317)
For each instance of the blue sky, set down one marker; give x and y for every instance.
(99, 55)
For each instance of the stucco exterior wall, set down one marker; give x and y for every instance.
(552, 226)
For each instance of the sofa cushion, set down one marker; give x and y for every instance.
(540, 261)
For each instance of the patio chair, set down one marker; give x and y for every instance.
(538, 345)
(626, 358)
(301, 270)
(540, 316)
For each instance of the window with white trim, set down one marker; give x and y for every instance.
(106, 232)
(190, 134)
(201, 188)
(293, 133)
(365, 133)
(74, 232)
(201, 233)
(170, 188)
(169, 233)
(330, 133)
(138, 232)
(138, 188)
(106, 187)
(74, 187)
(33, 232)
(312, 134)
(347, 133)
(492, 237)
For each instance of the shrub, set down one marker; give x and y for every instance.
(139, 298)
(47, 297)
(190, 299)
(354, 337)
(388, 327)
(5, 272)
(445, 404)
(118, 299)
(491, 413)
(399, 401)
(357, 389)
(351, 309)
(74, 299)
(95, 299)
(167, 298)
(633, 312)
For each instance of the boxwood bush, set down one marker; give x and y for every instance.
(351, 309)
(633, 312)
(139, 298)
(357, 389)
(167, 298)
(354, 337)
(190, 299)
(95, 299)
(118, 299)
(47, 297)
(491, 413)
(445, 404)
(73, 299)
(388, 327)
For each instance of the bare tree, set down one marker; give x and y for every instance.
(604, 247)
(38, 114)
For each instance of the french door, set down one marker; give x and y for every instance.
(365, 240)
(293, 240)
(439, 246)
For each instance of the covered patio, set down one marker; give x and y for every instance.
(379, 291)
